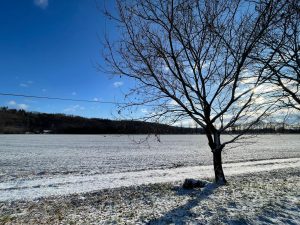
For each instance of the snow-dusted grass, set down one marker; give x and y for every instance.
(80, 179)
(270, 197)
(69, 184)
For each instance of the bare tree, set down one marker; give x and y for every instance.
(190, 59)
(281, 56)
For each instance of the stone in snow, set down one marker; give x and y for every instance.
(192, 183)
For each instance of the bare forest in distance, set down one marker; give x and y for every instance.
(13, 121)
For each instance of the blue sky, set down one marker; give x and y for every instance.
(48, 48)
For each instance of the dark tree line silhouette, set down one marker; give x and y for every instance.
(13, 121)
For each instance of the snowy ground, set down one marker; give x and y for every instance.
(269, 197)
(33, 156)
(91, 179)
(69, 184)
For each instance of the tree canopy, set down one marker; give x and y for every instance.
(196, 59)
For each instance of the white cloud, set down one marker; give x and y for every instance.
(185, 123)
(96, 99)
(23, 106)
(166, 69)
(12, 102)
(118, 84)
(26, 84)
(23, 85)
(143, 110)
(173, 102)
(73, 109)
(43, 4)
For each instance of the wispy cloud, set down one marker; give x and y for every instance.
(74, 93)
(43, 4)
(14, 104)
(23, 106)
(143, 110)
(185, 123)
(173, 102)
(74, 108)
(23, 85)
(26, 84)
(118, 84)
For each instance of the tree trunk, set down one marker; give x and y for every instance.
(216, 148)
(219, 174)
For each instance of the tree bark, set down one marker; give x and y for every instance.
(219, 174)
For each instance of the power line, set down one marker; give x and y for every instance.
(72, 99)
(62, 99)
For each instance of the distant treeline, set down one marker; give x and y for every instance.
(267, 128)
(13, 121)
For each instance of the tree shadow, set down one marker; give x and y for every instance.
(183, 213)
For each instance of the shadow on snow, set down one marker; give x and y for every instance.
(183, 213)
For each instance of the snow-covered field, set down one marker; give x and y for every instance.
(70, 184)
(32, 156)
(44, 165)
(84, 179)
